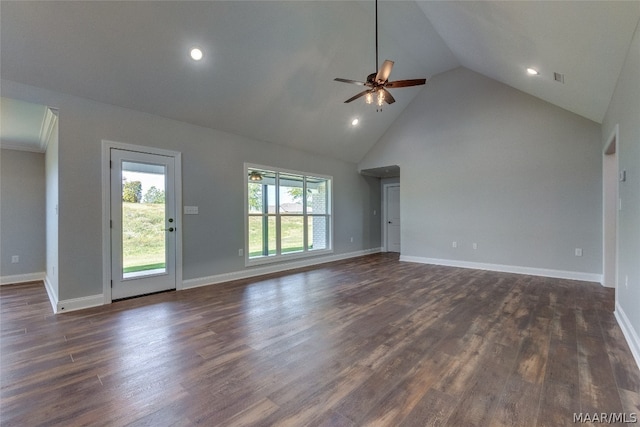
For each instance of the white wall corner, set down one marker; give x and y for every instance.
(79, 303)
(532, 271)
(272, 268)
(629, 333)
(48, 123)
(53, 297)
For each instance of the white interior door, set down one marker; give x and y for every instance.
(393, 218)
(143, 223)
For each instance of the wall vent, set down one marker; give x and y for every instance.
(558, 77)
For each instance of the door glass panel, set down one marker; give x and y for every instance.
(144, 239)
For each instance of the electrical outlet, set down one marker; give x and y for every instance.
(578, 251)
(454, 244)
(626, 281)
(475, 246)
(352, 240)
(240, 252)
(15, 259)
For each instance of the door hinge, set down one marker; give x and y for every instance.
(110, 223)
(110, 164)
(112, 283)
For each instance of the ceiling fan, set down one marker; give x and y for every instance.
(378, 82)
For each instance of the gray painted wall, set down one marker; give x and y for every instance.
(624, 110)
(483, 162)
(213, 180)
(22, 209)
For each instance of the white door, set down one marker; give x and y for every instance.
(143, 223)
(393, 218)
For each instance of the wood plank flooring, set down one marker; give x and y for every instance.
(366, 341)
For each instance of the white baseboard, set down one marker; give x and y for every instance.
(79, 303)
(21, 278)
(629, 333)
(273, 268)
(544, 272)
(53, 296)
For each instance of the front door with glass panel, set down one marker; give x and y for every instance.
(143, 223)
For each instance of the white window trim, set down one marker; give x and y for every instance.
(294, 255)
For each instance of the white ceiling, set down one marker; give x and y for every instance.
(587, 41)
(269, 66)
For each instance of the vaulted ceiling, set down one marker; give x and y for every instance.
(268, 67)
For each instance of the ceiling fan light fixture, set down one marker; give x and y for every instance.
(378, 82)
(355, 122)
(532, 71)
(255, 176)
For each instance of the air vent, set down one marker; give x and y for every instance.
(558, 77)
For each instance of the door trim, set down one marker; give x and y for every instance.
(385, 187)
(610, 238)
(106, 208)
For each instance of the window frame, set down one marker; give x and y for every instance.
(305, 252)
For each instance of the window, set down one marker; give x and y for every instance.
(288, 214)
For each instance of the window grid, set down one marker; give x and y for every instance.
(306, 214)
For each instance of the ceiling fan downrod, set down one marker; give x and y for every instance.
(376, 36)
(378, 82)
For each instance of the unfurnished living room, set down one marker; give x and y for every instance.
(319, 213)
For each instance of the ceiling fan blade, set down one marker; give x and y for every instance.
(354, 97)
(355, 82)
(387, 96)
(406, 83)
(385, 71)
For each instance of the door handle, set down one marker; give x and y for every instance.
(170, 229)
(389, 222)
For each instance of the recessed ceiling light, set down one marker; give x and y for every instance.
(355, 122)
(532, 71)
(196, 54)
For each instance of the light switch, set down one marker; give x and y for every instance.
(191, 210)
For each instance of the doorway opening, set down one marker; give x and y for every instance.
(390, 194)
(391, 217)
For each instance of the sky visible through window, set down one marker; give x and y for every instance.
(148, 180)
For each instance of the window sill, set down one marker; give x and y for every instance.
(286, 257)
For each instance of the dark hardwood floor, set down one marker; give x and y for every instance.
(366, 341)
